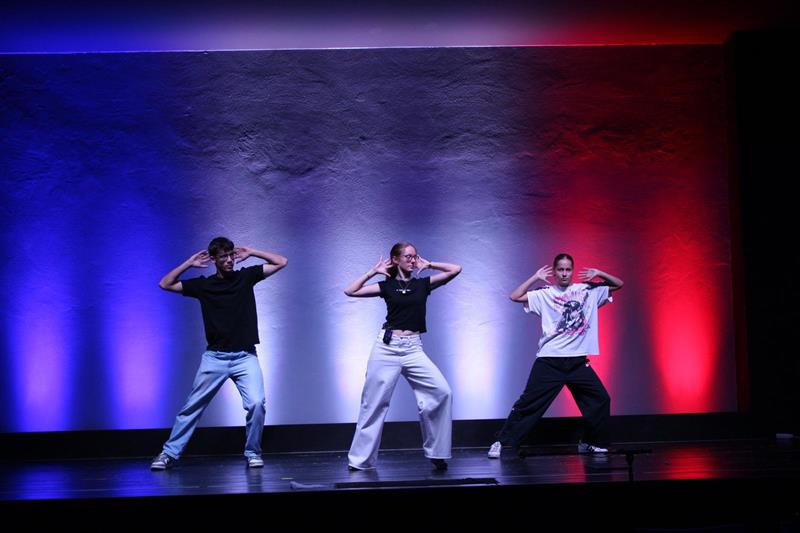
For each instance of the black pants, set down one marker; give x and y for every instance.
(548, 376)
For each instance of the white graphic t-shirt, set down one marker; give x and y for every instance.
(569, 318)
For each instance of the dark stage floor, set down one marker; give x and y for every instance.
(639, 485)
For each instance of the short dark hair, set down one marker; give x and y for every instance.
(219, 244)
(559, 257)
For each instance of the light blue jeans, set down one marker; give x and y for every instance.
(215, 369)
(403, 356)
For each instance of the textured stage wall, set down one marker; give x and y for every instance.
(116, 167)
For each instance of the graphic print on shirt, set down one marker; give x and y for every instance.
(572, 322)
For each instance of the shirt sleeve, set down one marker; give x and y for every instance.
(383, 288)
(534, 304)
(192, 287)
(254, 274)
(601, 293)
(427, 285)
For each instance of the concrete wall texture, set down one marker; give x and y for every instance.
(116, 167)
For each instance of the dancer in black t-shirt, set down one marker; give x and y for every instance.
(398, 350)
(231, 326)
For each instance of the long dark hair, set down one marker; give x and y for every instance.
(396, 250)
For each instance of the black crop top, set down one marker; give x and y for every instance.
(405, 303)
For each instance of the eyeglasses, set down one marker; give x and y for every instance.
(232, 255)
(409, 257)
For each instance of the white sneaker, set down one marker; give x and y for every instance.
(494, 451)
(590, 448)
(255, 462)
(162, 462)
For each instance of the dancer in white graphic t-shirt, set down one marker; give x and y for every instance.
(569, 335)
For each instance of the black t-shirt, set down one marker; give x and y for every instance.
(405, 303)
(229, 308)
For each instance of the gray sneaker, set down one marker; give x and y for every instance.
(590, 448)
(162, 462)
(255, 462)
(494, 451)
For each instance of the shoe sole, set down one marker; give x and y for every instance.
(352, 468)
